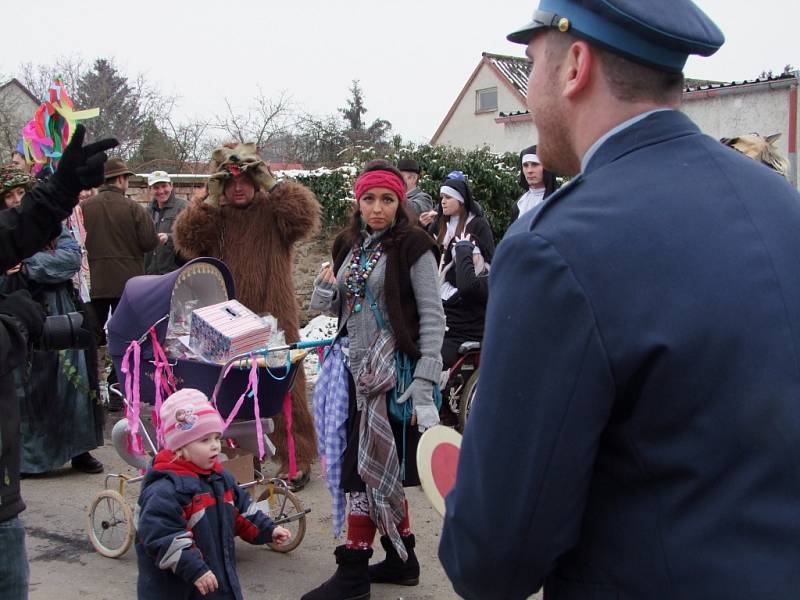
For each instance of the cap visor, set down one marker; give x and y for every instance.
(524, 34)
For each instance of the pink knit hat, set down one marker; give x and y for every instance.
(186, 416)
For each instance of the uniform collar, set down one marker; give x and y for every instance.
(613, 131)
(642, 130)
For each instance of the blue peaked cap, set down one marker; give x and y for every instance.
(659, 33)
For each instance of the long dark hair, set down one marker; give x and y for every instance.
(402, 220)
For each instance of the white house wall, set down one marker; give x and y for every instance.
(748, 110)
(469, 130)
(16, 109)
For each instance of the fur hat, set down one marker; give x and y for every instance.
(187, 416)
(231, 160)
(11, 176)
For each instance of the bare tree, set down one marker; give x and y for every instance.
(192, 142)
(262, 122)
(39, 78)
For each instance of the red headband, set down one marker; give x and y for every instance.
(379, 178)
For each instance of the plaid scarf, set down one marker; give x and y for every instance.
(378, 463)
(330, 419)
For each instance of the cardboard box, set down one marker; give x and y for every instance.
(241, 464)
(224, 330)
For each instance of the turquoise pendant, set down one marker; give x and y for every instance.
(357, 308)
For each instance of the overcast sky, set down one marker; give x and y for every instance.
(412, 57)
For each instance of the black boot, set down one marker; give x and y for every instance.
(351, 579)
(392, 569)
(87, 463)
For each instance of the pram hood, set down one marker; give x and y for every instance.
(149, 298)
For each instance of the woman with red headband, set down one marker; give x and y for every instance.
(375, 393)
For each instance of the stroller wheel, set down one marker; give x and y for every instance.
(110, 524)
(286, 510)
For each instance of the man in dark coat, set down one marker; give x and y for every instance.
(637, 433)
(118, 234)
(163, 210)
(23, 232)
(419, 201)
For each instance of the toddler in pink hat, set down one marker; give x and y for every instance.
(192, 427)
(190, 509)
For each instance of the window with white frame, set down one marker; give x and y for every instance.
(486, 100)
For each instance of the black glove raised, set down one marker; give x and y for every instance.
(21, 305)
(81, 167)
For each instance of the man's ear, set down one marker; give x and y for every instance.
(577, 68)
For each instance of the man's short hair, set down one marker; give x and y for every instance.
(631, 81)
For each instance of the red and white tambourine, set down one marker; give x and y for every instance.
(437, 463)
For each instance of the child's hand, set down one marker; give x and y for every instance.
(281, 535)
(206, 583)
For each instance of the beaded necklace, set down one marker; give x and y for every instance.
(361, 266)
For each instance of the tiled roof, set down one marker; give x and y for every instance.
(697, 85)
(516, 69)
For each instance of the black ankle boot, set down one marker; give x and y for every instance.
(87, 463)
(351, 579)
(392, 569)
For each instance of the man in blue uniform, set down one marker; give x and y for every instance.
(638, 434)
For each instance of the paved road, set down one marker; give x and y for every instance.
(64, 565)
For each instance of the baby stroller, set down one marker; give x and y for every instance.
(153, 312)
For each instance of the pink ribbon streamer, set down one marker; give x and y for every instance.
(287, 414)
(132, 393)
(164, 385)
(252, 386)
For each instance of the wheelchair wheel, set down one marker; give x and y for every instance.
(286, 510)
(110, 524)
(465, 402)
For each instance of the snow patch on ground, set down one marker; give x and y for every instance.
(318, 328)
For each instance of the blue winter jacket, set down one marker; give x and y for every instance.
(187, 520)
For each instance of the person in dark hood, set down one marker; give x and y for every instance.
(537, 182)
(467, 247)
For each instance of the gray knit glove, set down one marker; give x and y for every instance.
(421, 393)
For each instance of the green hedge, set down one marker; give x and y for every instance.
(334, 190)
(491, 177)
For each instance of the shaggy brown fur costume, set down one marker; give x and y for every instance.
(256, 242)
